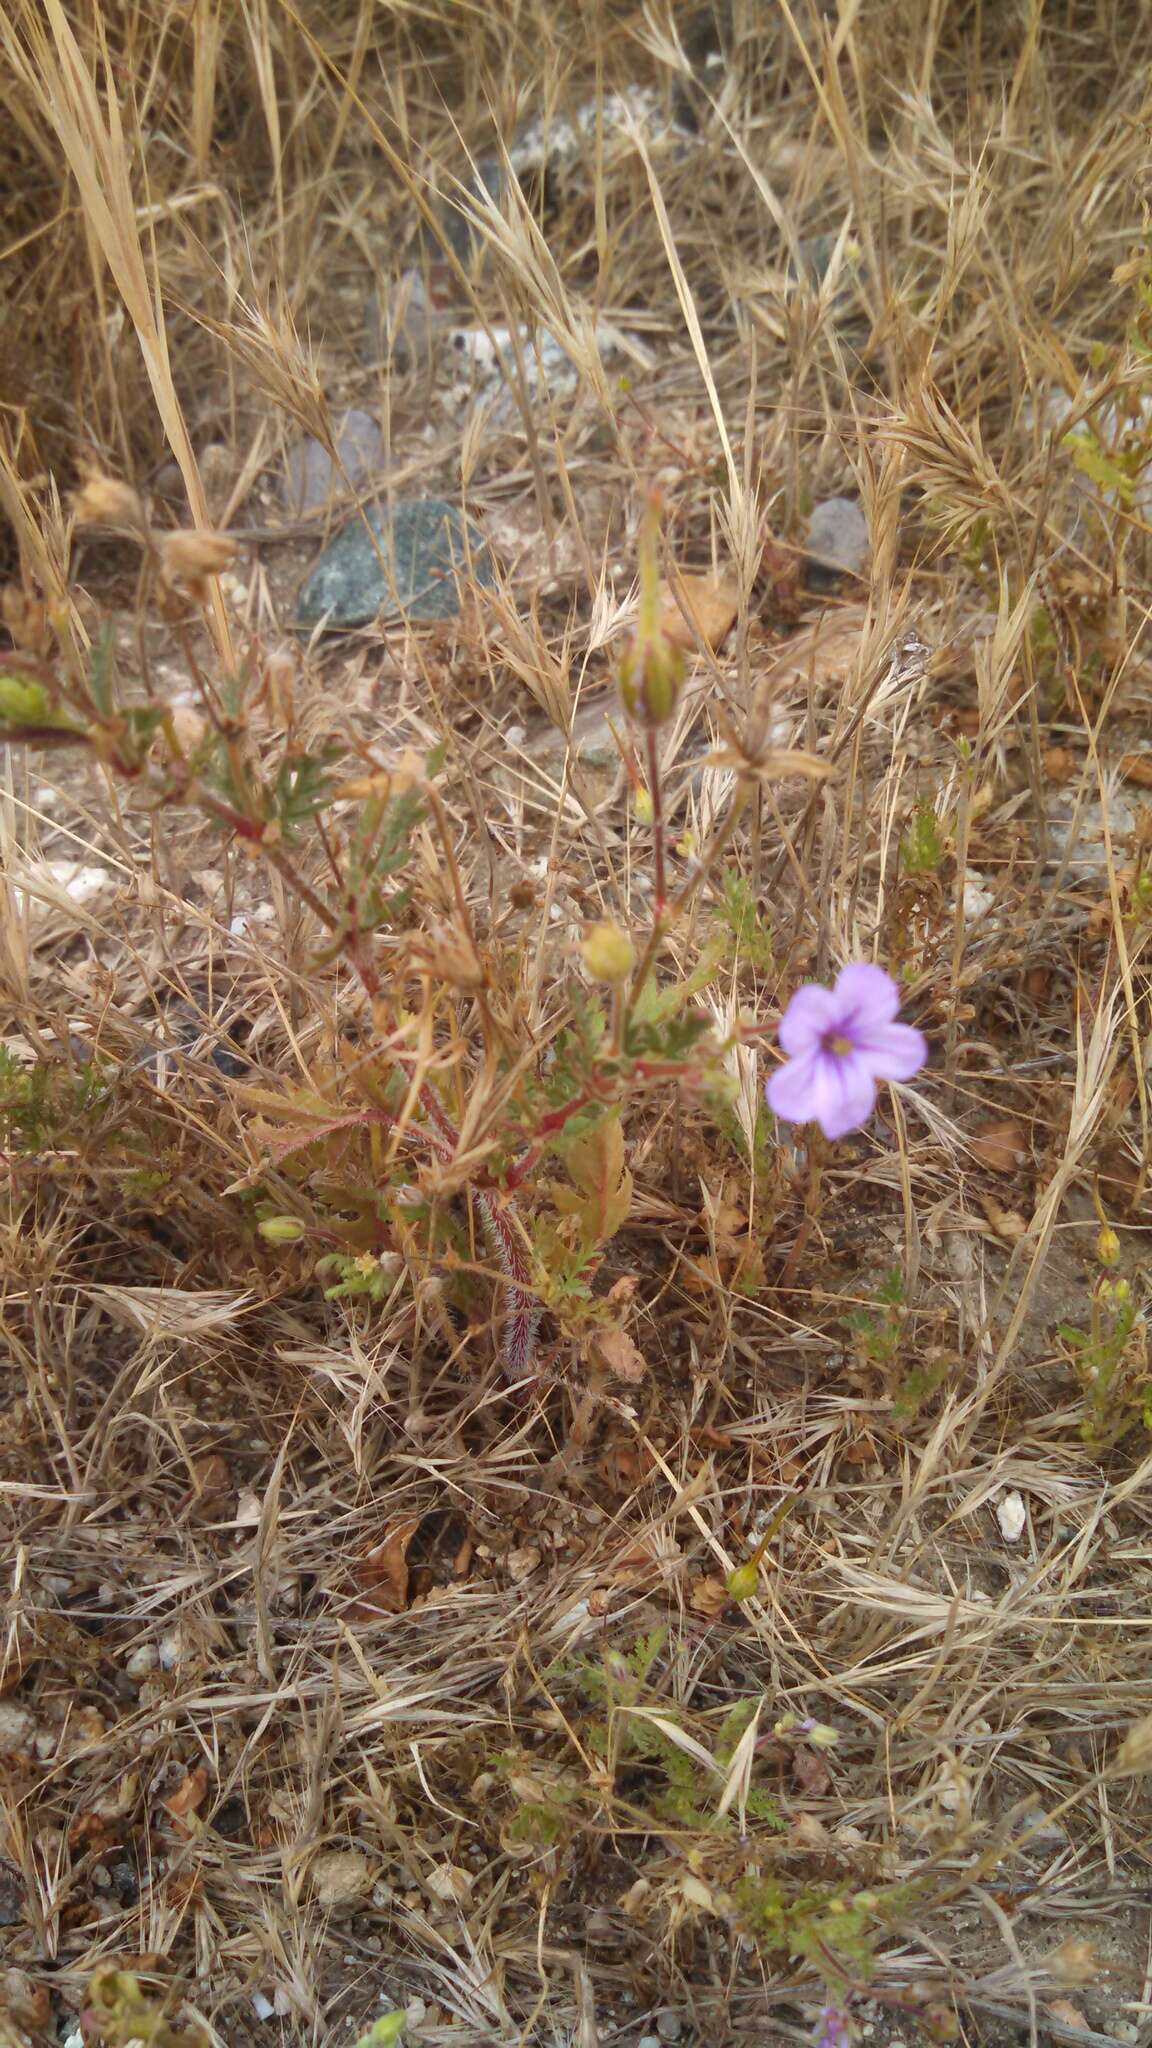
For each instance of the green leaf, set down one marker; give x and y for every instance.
(1102, 468)
(384, 2032)
(739, 909)
(601, 1198)
(922, 848)
(101, 672)
(302, 787)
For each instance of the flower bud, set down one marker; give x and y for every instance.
(649, 677)
(651, 668)
(823, 1737)
(744, 1581)
(1108, 1246)
(281, 1229)
(608, 953)
(23, 702)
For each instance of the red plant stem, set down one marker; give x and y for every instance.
(656, 792)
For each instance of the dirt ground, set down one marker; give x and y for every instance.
(407, 1332)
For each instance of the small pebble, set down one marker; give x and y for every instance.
(837, 543)
(170, 1649)
(1012, 1516)
(312, 476)
(669, 2026)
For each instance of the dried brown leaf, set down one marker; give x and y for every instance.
(1001, 1145)
(711, 602)
(382, 1575)
(616, 1350)
(709, 1596)
(189, 1794)
(1007, 1223)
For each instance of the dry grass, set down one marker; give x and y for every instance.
(289, 1577)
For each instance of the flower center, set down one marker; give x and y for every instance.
(835, 1042)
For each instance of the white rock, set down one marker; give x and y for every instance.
(143, 1659)
(838, 542)
(978, 899)
(78, 881)
(262, 2006)
(170, 1649)
(16, 1725)
(522, 1563)
(1012, 1516)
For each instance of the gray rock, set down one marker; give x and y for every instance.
(312, 476)
(402, 319)
(837, 543)
(488, 181)
(669, 2025)
(424, 545)
(1076, 831)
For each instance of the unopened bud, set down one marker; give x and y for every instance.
(743, 1582)
(1108, 1246)
(22, 702)
(651, 669)
(608, 954)
(281, 1229)
(649, 676)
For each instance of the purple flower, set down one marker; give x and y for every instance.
(832, 2028)
(840, 1041)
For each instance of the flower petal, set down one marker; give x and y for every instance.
(811, 1012)
(891, 1052)
(837, 1094)
(843, 1095)
(790, 1089)
(865, 995)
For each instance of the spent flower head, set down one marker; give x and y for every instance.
(840, 1041)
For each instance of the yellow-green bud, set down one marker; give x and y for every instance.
(1108, 1246)
(22, 702)
(649, 676)
(821, 1736)
(643, 805)
(281, 1229)
(608, 954)
(744, 1581)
